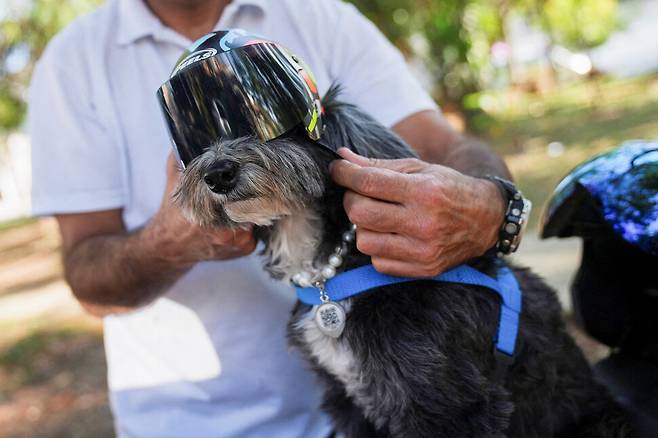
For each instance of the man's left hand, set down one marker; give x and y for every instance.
(417, 219)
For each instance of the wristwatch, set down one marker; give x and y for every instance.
(516, 217)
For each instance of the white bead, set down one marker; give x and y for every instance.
(328, 271)
(352, 228)
(305, 279)
(335, 260)
(348, 237)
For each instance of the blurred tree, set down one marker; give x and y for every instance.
(580, 24)
(454, 37)
(26, 26)
(433, 31)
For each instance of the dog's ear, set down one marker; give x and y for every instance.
(345, 125)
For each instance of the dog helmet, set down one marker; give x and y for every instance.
(616, 191)
(611, 201)
(231, 84)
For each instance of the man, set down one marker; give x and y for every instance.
(194, 330)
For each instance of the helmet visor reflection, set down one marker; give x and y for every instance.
(623, 186)
(254, 90)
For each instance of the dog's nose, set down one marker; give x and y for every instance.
(222, 176)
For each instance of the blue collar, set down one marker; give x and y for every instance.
(356, 281)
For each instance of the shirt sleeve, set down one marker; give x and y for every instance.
(76, 165)
(373, 73)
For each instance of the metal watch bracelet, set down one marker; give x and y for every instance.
(516, 217)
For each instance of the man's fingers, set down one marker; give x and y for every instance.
(355, 158)
(404, 165)
(224, 235)
(247, 243)
(239, 237)
(373, 182)
(394, 247)
(400, 268)
(373, 214)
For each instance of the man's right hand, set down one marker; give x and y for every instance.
(111, 270)
(181, 242)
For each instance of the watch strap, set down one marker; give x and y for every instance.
(516, 216)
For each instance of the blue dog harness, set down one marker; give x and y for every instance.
(356, 281)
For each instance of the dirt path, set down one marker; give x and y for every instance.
(52, 365)
(556, 260)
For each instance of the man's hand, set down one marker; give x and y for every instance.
(417, 219)
(181, 242)
(111, 270)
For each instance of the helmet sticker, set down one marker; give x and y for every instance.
(197, 56)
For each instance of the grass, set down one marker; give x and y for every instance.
(21, 360)
(52, 384)
(15, 223)
(36, 355)
(586, 118)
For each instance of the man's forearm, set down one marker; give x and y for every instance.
(437, 142)
(470, 156)
(119, 271)
(473, 157)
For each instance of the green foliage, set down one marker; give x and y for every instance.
(454, 37)
(12, 109)
(25, 29)
(432, 30)
(580, 24)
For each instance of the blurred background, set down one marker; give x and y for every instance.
(547, 82)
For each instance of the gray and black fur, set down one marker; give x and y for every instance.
(416, 359)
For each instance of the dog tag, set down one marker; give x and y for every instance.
(330, 318)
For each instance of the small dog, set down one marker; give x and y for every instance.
(415, 359)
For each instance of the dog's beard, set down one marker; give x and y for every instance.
(275, 179)
(258, 211)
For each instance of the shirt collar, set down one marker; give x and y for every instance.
(137, 21)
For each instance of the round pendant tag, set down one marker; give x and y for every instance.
(330, 319)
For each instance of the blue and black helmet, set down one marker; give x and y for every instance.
(616, 191)
(611, 202)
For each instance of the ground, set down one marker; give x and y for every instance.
(52, 366)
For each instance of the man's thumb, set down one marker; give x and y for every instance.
(173, 169)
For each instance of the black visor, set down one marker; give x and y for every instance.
(230, 84)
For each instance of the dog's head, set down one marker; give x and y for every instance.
(249, 181)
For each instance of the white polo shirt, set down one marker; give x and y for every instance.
(209, 358)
